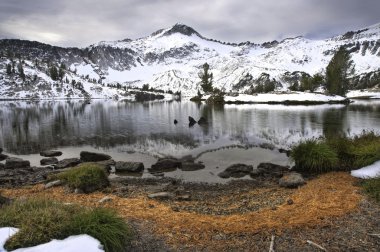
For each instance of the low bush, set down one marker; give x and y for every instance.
(87, 177)
(41, 220)
(372, 188)
(314, 156)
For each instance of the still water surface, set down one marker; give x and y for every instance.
(145, 131)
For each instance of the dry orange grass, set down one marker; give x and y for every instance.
(330, 195)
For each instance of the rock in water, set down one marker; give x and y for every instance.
(49, 161)
(190, 166)
(51, 153)
(129, 167)
(3, 157)
(87, 156)
(292, 180)
(13, 163)
(236, 171)
(202, 120)
(166, 164)
(175, 121)
(68, 162)
(191, 121)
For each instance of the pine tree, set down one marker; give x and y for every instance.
(336, 72)
(9, 69)
(21, 71)
(53, 73)
(206, 79)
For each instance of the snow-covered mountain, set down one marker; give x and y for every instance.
(171, 59)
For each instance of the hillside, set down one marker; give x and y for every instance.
(171, 59)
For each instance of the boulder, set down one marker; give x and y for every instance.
(53, 184)
(202, 120)
(3, 157)
(68, 162)
(291, 180)
(106, 164)
(49, 161)
(160, 195)
(236, 171)
(87, 156)
(129, 167)
(13, 163)
(51, 153)
(166, 164)
(272, 170)
(190, 166)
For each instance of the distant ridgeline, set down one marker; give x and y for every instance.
(171, 60)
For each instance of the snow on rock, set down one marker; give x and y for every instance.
(371, 171)
(363, 94)
(283, 97)
(71, 244)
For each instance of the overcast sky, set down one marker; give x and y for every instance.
(84, 22)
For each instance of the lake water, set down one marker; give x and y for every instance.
(145, 131)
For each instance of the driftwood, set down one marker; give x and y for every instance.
(316, 245)
(271, 249)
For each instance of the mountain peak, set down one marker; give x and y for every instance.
(182, 29)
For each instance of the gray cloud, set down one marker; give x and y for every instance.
(80, 23)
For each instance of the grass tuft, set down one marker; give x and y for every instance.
(314, 156)
(87, 177)
(41, 220)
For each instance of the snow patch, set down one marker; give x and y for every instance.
(371, 171)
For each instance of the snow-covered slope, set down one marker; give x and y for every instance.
(171, 59)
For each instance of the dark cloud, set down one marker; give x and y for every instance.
(80, 23)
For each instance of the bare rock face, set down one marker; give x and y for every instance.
(87, 156)
(292, 180)
(15, 163)
(129, 167)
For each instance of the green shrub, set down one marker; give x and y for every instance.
(41, 220)
(314, 156)
(87, 177)
(372, 188)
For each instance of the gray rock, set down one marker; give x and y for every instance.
(49, 161)
(190, 166)
(51, 153)
(3, 157)
(236, 171)
(166, 164)
(292, 180)
(53, 184)
(160, 195)
(68, 162)
(86, 156)
(273, 170)
(192, 121)
(129, 167)
(14, 163)
(105, 199)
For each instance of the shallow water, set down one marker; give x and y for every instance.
(145, 131)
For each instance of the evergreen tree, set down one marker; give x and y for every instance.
(21, 71)
(9, 69)
(206, 79)
(336, 72)
(53, 73)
